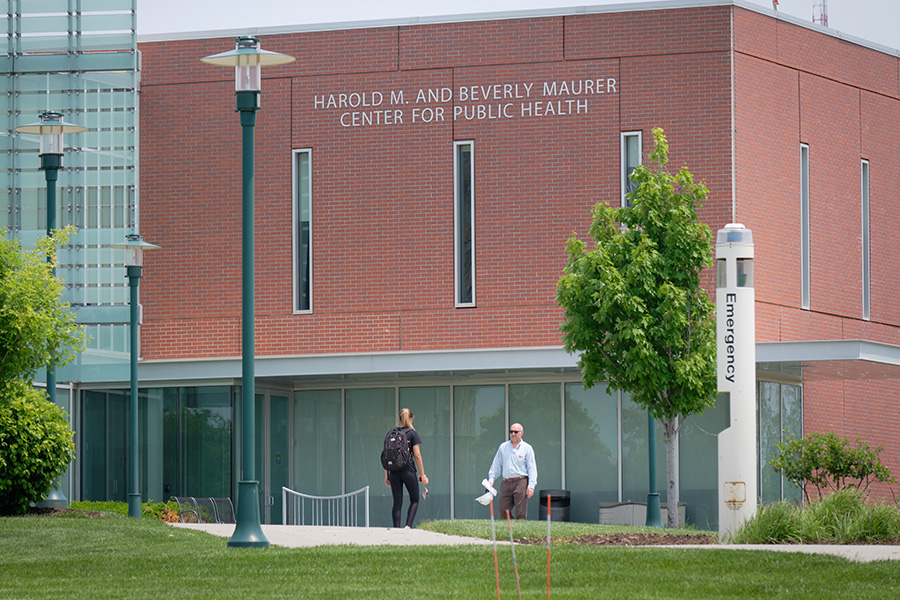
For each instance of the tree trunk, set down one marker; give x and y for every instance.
(670, 434)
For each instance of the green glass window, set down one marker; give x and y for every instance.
(464, 217)
(698, 458)
(479, 426)
(780, 416)
(371, 413)
(318, 431)
(592, 449)
(538, 407)
(431, 407)
(303, 230)
(635, 454)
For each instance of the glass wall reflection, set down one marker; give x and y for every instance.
(327, 442)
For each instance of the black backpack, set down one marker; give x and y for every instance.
(396, 455)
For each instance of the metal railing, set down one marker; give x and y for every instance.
(338, 511)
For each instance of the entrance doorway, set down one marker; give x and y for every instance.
(272, 452)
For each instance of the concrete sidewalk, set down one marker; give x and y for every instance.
(305, 536)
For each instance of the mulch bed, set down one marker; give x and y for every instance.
(626, 539)
(49, 511)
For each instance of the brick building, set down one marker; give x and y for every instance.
(415, 187)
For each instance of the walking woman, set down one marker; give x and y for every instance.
(407, 475)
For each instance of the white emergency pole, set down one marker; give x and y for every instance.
(736, 346)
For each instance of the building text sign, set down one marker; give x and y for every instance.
(516, 100)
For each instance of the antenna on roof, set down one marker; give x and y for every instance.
(820, 13)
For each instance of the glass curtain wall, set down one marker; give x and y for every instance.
(327, 442)
(185, 443)
(77, 58)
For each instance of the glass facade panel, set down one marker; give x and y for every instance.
(635, 454)
(206, 426)
(102, 446)
(769, 414)
(479, 426)
(592, 449)
(791, 426)
(538, 407)
(83, 64)
(780, 416)
(699, 464)
(431, 407)
(330, 441)
(371, 413)
(318, 431)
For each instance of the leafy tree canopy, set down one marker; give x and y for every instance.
(634, 308)
(36, 328)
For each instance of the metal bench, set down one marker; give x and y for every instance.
(204, 510)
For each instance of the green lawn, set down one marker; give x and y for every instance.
(67, 557)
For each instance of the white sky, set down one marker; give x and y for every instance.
(874, 20)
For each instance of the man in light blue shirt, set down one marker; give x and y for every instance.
(515, 462)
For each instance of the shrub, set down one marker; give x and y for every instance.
(843, 517)
(777, 523)
(36, 446)
(829, 462)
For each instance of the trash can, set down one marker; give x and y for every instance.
(559, 504)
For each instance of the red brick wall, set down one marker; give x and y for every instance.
(847, 408)
(382, 194)
(794, 86)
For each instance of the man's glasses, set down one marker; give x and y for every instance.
(512, 431)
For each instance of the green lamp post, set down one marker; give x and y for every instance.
(134, 264)
(247, 59)
(51, 129)
(654, 518)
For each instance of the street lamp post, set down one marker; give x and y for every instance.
(51, 129)
(247, 59)
(134, 264)
(654, 518)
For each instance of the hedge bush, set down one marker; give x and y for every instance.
(36, 446)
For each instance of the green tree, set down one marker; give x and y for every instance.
(634, 308)
(36, 329)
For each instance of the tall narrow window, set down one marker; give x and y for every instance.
(464, 220)
(302, 230)
(866, 265)
(631, 158)
(804, 226)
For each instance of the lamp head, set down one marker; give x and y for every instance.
(51, 128)
(134, 249)
(247, 58)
